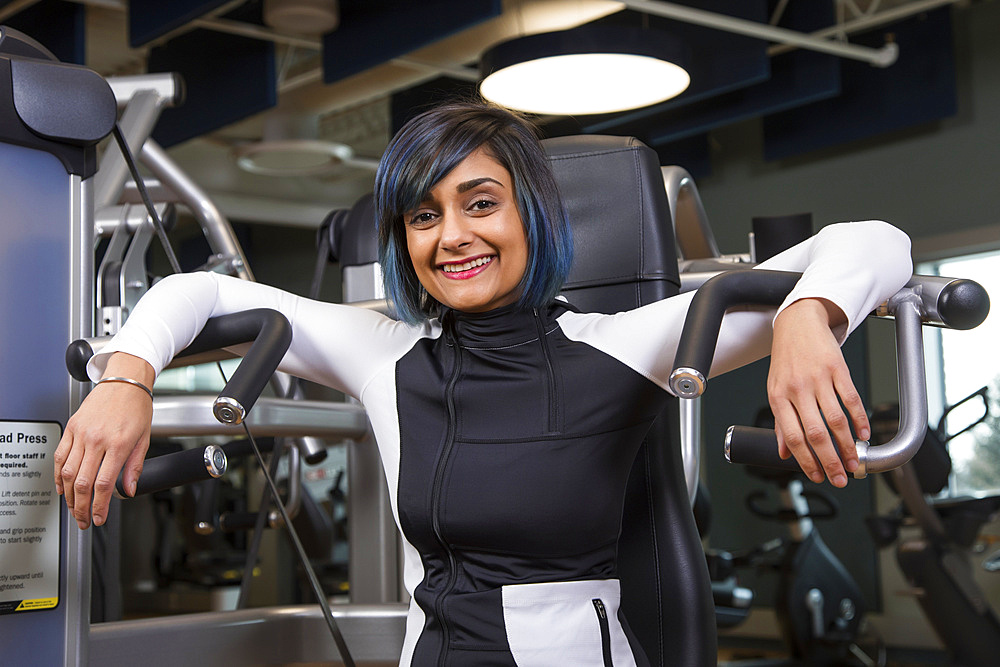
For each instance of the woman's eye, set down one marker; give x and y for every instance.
(483, 204)
(421, 218)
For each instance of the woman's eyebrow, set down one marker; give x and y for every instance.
(468, 185)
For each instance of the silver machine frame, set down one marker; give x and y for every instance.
(65, 626)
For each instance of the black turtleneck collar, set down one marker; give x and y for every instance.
(507, 325)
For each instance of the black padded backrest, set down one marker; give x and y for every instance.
(613, 192)
(622, 236)
(351, 233)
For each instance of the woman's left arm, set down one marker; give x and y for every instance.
(849, 269)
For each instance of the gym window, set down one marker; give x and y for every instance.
(960, 363)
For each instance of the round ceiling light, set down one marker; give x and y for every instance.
(292, 157)
(586, 70)
(302, 17)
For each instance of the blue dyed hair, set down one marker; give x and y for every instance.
(423, 152)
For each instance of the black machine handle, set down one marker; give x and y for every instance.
(267, 330)
(696, 348)
(924, 299)
(170, 470)
(704, 320)
(269, 333)
(748, 445)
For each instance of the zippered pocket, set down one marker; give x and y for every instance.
(602, 618)
(560, 623)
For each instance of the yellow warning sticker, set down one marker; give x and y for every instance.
(41, 603)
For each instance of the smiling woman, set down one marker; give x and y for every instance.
(466, 240)
(505, 178)
(507, 421)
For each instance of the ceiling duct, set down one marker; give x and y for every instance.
(302, 17)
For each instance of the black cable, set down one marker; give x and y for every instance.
(263, 509)
(338, 638)
(157, 223)
(331, 622)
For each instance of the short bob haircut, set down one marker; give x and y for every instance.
(423, 152)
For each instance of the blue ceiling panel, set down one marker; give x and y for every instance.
(226, 77)
(919, 88)
(405, 104)
(372, 32)
(791, 80)
(59, 26)
(149, 19)
(691, 153)
(720, 61)
(797, 78)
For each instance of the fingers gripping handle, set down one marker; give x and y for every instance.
(704, 320)
(170, 470)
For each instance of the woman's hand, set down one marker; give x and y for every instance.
(807, 376)
(109, 430)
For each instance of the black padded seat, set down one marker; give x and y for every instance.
(613, 192)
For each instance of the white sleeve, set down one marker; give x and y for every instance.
(855, 265)
(336, 345)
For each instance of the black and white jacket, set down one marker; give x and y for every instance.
(507, 437)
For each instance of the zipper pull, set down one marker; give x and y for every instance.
(599, 606)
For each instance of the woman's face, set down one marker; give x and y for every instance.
(466, 239)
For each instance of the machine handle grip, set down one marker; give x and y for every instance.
(78, 354)
(271, 335)
(747, 445)
(704, 320)
(963, 304)
(170, 470)
(267, 330)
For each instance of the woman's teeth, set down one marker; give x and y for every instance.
(456, 268)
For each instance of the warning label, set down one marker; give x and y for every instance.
(29, 517)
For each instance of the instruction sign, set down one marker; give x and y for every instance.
(29, 517)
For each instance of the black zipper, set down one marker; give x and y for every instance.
(553, 426)
(436, 501)
(602, 618)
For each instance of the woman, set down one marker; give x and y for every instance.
(506, 421)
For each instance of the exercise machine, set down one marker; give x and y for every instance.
(819, 606)
(48, 155)
(936, 558)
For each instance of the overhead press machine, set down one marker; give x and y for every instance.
(52, 116)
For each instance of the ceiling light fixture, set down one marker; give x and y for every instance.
(292, 157)
(585, 70)
(302, 17)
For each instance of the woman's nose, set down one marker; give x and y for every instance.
(456, 232)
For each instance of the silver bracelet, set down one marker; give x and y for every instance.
(127, 381)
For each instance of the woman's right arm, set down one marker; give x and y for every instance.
(110, 430)
(339, 346)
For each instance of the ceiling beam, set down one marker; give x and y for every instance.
(880, 57)
(868, 22)
(15, 7)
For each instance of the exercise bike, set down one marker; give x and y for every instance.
(936, 560)
(818, 605)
